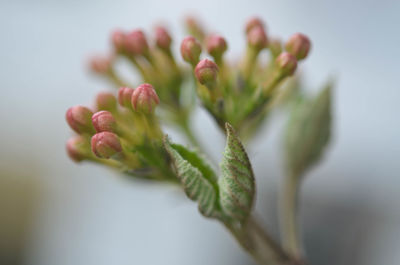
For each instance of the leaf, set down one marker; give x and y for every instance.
(197, 177)
(237, 187)
(308, 132)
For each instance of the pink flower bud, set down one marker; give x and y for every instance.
(254, 22)
(216, 45)
(106, 144)
(144, 99)
(101, 64)
(106, 101)
(75, 148)
(286, 63)
(103, 121)
(257, 38)
(124, 96)
(190, 50)
(298, 45)
(118, 39)
(206, 72)
(79, 119)
(136, 43)
(163, 39)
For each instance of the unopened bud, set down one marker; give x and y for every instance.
(136, 43)
(275, 46)
(101, 64)
(76, 148)
(103, 121)
(106, 101)
(253, 23)
(206, 72)
(194, 27)
(216, 45)
(191, 50)
(163, 39)
(299, 45)
(106, 144)
(286, 63)
(118, 39)
(124, 96)
(144, 99)
(79, 119)
(257, 38)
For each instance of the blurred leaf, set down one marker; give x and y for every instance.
(236, 185)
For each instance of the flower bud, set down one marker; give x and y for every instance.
(216, 46)
(106, 144)
(124, 96)
(191, 50)
(136, 43)
(257, 38)
(253, 23)
(298, 45)
(106, 101)
(275, 46)
(286, 63)
(118, 39)
(103, 121)
(144, 99)
(79, 119)
(206, 72)
(101, 64)
(163, 39)
(75, 148)
(194, 27)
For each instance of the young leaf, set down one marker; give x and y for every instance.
(308, 132)
(236, 185)
(198, 179)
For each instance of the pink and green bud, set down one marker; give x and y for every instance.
(275, 47)
(106, 145)
(106, 101)
(254, 22)
(124, 96)
(257, 38)
(163, 38)
(136, 43)
(191, 50)
(76, 148)
(101, 64)
(103, 121)
(194, 27)
(118, 39)
(206, 72)
(286, 63)
(216, 46)
(299, 45)
(144, 99)
(79, 119)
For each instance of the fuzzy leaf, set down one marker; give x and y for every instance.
(308, 132)
(236, 184)
(197, 177)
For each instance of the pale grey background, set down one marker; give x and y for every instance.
(83, 215)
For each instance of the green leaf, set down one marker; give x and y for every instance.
(308, 132)
(237, 187)
(198, 179)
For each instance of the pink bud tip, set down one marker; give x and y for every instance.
(124, 96)
(216, 45)
(106, 101)
(206, 72)
(106, 144)
(144, 98)
(103, 121)
(118, 39)
(190, 50)
(254, 22)
(287, 63)
(101, 64)
(299, 45)
(136, 43)
(257, 38)
(75, 147)
(163, 39)
(79, 119)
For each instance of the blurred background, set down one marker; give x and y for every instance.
(55, 212)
